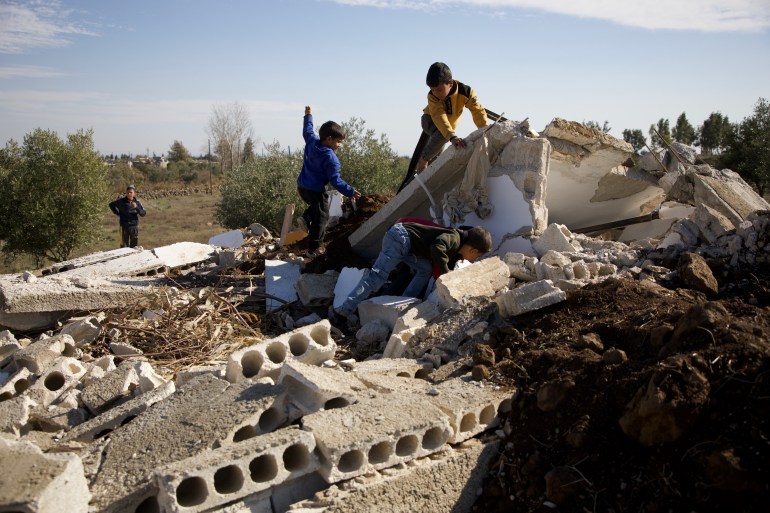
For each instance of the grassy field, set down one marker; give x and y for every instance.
(168, 220)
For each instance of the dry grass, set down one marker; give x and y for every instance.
(168, 220)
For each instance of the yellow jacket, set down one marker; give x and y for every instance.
(446, 113)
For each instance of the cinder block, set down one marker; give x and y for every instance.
(472, 407)
(186, 375)
(450, 480)
(20, 381)
(310, 344)
(65, 373)
(119, 415)
(311, 388)
(233, 472)
(376, 433)
(99, 395)
(14, 414)
(34, 482)
(401, 367)
(41, 354)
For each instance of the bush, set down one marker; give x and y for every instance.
(54, 195)
(260, 189)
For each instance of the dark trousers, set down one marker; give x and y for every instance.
(316, 215)
(436, 139)
(129, 236)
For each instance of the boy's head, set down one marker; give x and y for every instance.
(438, 74)
(439, 80)
(478, 243)
(331, 135)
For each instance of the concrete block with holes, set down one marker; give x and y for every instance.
(205, 413)
(403, 367)
(40, 355)
(64, 374)
(449, 480)
(17, 383)
(224, 474)
(472, 407)
(310, 344)
(311, 388)
(100, 394)
(115, 417)
(376, 433)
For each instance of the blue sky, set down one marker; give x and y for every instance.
(144, 73)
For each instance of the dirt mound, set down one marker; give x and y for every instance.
(635, 397)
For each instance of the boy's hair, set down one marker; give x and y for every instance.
(479, 238)
(331, 129)
(438, 73)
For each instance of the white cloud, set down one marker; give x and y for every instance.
(27, 72)
(38, 24)
(701, 15)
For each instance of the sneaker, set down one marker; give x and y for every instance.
(302, 224)
(316, 252)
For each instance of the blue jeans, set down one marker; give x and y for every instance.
(396, 248)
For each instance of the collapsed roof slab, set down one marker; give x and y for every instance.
(516, 206)
(587, 182)
(94, 258)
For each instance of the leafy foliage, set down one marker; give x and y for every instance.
(595, 125)
(248, 151)
(748, 148)
(178, 153)
(54, 194)
(713, 134)
(683, 132)
(660, 134)
(260, 188)
(635, 138)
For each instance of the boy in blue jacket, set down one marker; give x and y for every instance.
(320, 166)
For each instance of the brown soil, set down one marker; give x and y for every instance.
(633, 397)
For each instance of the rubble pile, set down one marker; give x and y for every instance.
(564, 370)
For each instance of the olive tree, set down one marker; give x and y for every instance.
(748, 149)
(54, 192)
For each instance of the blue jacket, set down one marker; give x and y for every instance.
(320, 165)
(128, 216)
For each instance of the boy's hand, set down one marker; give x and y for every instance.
(308, 110)
(457, 142)
(356, 194)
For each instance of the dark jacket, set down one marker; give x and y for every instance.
(439, 245)
(129, 216)
(320, 165)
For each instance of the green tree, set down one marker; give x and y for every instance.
(663, 131)
(248, 151)
(260, 189)
(54, 195)
(683, 131)
(712, 135)
(748, 148)
(595, 124)
(367, 162)
(178, 153)
(635, 138)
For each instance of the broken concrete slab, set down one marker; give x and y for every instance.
(231, 239)
(384, 308)
(528, 297)
(84, 261)
(514, 157)
(482, 278)
(41, 483)
(316, 289)
(184, 254)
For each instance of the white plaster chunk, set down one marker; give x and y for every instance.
(182, 254)
(386, 309)
(529, 297)
(231, 239)
(556, 237)
(521, 266)
(346, 282)
(83, 331)
(482, 278)
(280, 278)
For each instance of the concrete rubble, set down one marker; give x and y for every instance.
(279, 423)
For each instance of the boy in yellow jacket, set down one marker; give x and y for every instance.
(446, 100)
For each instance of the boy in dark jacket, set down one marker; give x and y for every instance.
(420, 247)
(320, 166)
(129, 208)
(446, 100)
